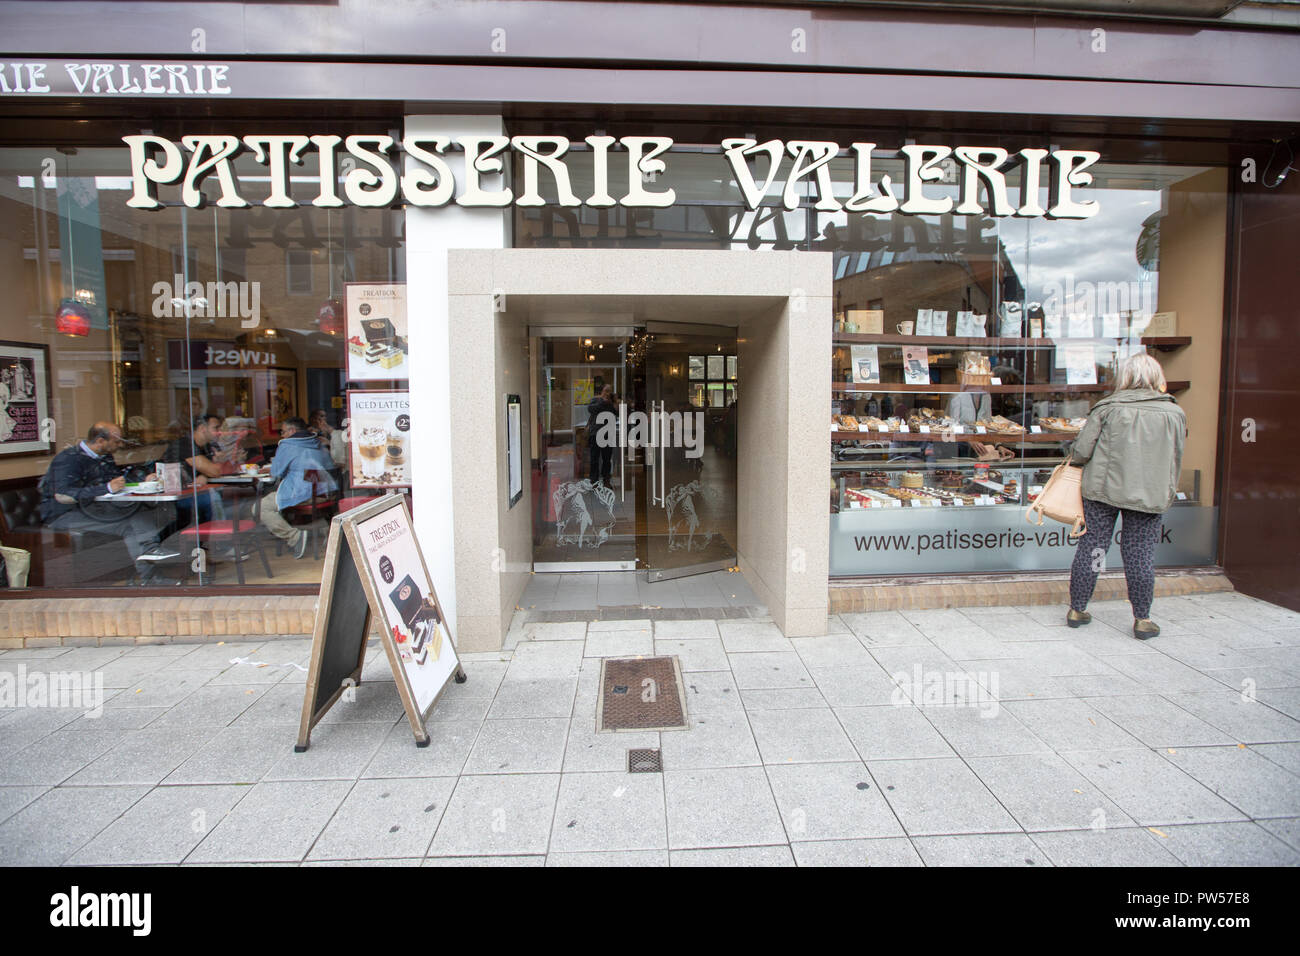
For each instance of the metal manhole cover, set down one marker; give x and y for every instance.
(641, 693)
(644, 760)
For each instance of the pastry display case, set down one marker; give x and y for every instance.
(922, 426)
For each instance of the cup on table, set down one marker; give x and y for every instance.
(905, 328)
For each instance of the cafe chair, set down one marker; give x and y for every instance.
(238, 533)
(321, 505)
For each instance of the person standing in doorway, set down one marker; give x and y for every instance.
(1131, 450)
(600, 455)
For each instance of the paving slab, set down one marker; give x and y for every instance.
(1071, 725)
(939, 796)
(1252, 783)
(728, 807)
(385, 819)
(274, 822)
(694, 653)
(1150, 789)
(613, 811)
(831, 801)
(163, 828)
(713, 740)
(738, 856)
(1229, 844)
(622, 858)
(1127, 847)
(144, 756)
(337, 751)
(888, 851)
(55, 825)
(535, 697)
(758, 670)
(1247, 720)
(981, 849)
(520, 745)
(588, 751)
(498, 815)
(13, 799)
(892, 733)
(1043, 792)
(805, 735)
(449, 745)
(55, 757)
(712, 692)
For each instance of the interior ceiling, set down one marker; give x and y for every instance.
(598, 311)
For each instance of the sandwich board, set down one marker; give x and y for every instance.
(375, 570)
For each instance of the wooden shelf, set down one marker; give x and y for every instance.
(1163, 343)
(1003, 438)
(899, 387)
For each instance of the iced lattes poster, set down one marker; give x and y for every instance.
(377, 349)
(379, 439)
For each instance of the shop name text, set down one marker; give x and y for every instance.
(372, 175)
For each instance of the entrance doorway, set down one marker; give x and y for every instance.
(637, 451)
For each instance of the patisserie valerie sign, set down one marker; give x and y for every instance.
(365, 170)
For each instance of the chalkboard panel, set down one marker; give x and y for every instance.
(345, 629)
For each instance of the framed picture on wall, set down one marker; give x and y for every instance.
(26, 427)
(275, 398)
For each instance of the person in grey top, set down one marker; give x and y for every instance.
(1131, 450)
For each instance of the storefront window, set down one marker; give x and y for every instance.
(969, 351)
(969, 348)
(197, 333)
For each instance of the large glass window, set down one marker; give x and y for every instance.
(968, 350)
(197, 335)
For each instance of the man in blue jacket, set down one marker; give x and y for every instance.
(298, 453)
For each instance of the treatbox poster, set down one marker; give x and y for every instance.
(377, 347)
(379, 439)
(411, 613)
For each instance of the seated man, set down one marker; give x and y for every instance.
(81, 473)
(298, 453)
(196, 469)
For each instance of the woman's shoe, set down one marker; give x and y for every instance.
(1144, 629)
(1077, 618)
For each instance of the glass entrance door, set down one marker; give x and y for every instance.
(690, 460)
(584, 510)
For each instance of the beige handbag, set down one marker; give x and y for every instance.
(17, 562)
(1061, 499)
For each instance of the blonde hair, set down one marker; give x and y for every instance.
(1141, 371)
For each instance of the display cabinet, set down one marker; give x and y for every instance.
(941, 423)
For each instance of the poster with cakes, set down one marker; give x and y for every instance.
(379, 439)
(376, 329)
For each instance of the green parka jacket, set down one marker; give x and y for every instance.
(1131, 450)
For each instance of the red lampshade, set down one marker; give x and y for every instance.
(72, 318)
(330, 317)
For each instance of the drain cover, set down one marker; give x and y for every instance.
(641, 693)
(644, 761)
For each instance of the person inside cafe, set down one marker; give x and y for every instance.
(80, 474)
(299, 452)
(191, 451)
(332, 439)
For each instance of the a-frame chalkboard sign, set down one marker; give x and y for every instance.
(374, 569)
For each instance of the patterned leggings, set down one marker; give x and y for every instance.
(1137, 545)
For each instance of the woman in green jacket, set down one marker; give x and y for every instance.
(1131, 450)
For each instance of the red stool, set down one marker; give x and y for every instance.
(236, 532)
